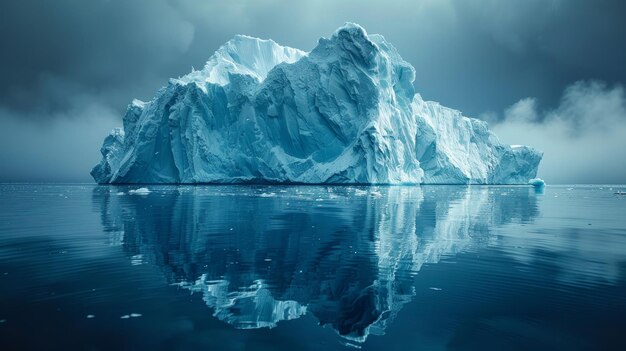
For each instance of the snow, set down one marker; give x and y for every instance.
(243, 55)
(346, 112)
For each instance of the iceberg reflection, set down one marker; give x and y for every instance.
(347, 255)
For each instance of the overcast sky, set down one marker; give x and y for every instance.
(545, 73)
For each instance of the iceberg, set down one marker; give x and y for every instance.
(345, 112)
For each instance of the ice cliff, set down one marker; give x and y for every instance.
(346, 112)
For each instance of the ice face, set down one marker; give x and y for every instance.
(112, 151)
(346, 112)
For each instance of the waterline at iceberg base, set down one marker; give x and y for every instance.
(346, 112)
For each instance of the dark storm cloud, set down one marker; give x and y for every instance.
(472, 55)
(69, 60)
(53, 50)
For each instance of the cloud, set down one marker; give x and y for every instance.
(583, 138)
(75, 59)
(107, 49)
(118, 49)
(522, 111)
(64, 150)
(516, 28)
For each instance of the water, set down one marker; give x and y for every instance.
(312, 268)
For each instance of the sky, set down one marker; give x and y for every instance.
(544, 73)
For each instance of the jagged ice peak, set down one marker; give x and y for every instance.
(346, 112)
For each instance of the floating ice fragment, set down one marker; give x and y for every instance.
(90, 316)
(436, 289)
(135, 315)
(537, 182)
(140, 191)
(121, 193)
(267, 194)
(136, 260)
(125, 316)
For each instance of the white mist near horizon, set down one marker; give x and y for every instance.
(583, 138)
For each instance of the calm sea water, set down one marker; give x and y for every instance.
(312, 268)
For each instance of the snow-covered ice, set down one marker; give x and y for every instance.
(345, 112)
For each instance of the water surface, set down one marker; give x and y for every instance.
(312, 268)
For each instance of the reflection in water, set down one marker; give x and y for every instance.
(347, 255)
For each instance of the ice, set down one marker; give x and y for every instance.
(136, 260)
(359, 192)
(537, 182)
(345, 112)
(132, 315)
(140, 191)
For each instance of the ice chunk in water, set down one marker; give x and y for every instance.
(537, 182)
(140, 191)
